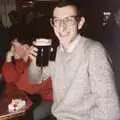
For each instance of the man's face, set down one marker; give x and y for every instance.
(65, 24)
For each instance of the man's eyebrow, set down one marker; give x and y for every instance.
(65, 16)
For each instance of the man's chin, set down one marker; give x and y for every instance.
(64, 43)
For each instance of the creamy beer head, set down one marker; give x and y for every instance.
(43, 42)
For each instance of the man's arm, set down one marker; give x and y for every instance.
(36, 73)
(102, 85)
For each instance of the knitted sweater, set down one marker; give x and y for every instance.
(83, 83)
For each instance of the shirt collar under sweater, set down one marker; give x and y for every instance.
(72, 45)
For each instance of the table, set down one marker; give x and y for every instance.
(12, 92)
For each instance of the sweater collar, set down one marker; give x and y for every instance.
(72, 45)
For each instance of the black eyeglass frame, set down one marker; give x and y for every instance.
(77, 18)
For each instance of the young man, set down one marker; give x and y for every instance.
(15, 71)
(82, 78)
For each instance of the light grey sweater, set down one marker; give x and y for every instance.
(83, 83)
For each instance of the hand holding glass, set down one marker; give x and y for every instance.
(43, 55)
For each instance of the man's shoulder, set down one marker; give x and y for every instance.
(90, 43)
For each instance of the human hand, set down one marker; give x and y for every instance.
(33, 49)
(10, 54)
(32, 53)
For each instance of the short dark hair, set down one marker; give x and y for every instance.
(21, 38)
(63, 3)
(24, 41)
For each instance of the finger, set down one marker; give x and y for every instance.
(33, 48)
(32, 57)
(32, 53)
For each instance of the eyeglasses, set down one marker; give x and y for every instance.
(68, 21)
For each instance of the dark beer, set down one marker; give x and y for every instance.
(43, 56)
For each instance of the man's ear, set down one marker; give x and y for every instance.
(81, 23)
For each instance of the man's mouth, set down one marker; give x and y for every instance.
(63, 34)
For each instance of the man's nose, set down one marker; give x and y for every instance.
(62, 26)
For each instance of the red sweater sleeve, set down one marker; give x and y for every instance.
(12, 71)
(18, 74)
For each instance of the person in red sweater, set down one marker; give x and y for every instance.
(15, 71)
